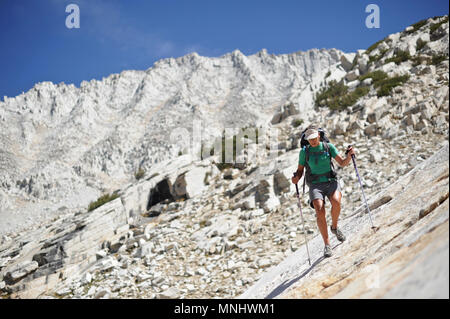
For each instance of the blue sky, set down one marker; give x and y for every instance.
(118, 35)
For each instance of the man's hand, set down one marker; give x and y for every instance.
(350, 151)
(297, 174)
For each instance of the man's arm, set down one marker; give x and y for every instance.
(344, 162)
(300, 171)
(298, 174)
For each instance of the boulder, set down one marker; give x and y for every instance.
(383, 46)
(425, 108)
(388, 67)
(374, 116)
(277, 117)
(433, 48)
(170, 293)
(394, 37)
(439, 120)
(425, 37)
(426, 114)
(375, 157)
(145, 249)
(249, 203)
(367, 82)
(339, 128)
(266, 197)
(347, 61)
(220, 226)
(371, 130)
(64, 291)
(271, 204)
(237, 189)
(86, 278)
(355, 126)
(424, 69)
(4, 261)
(352, 75)
(410, 120)
(19, 271)
(230, 173)
(190, 183)
(363, 64)
(440, 32)
(262, 191)
(421, 124)
(354, 84)
(285, 111)
(135, 197)
(281, 183)
(264, 262)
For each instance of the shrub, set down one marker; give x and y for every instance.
(373, 46)
(297, 122)
(435, 26)
(419, 59)
(352, 97)
(385, 86)
(154, 175)
(436, 59)
(416, 26)
(328, 74)
(420, 44)
(140, 173)
(102, 200)
(333, 91)
(400, 56)
(337, 96)
(376, 76)
(376, 58)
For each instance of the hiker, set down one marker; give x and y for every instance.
(322, 181)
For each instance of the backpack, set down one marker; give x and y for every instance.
(309, 178)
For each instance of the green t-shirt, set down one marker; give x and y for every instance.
(319, 160)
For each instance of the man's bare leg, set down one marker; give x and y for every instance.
(321, 219)
(335, 200)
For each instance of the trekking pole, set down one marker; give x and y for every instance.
(303, 220)
(362, 189)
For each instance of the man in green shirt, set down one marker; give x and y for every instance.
(322, 182)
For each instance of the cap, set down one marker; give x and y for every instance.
(311, 133)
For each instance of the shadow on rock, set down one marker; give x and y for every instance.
(285, 285)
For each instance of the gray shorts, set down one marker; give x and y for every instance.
(320, 190)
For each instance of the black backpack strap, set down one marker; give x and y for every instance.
(327, 148)
(307, 169)
(304, 182)
(306, 155)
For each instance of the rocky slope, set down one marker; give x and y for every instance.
(406, 257)
(190, 229)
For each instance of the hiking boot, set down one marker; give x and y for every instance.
(339, 235)
(327, 251)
